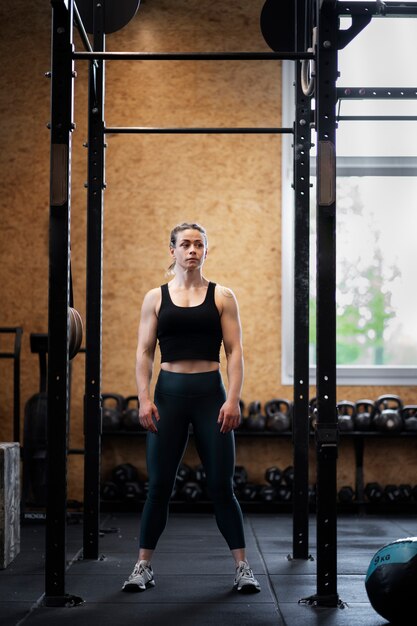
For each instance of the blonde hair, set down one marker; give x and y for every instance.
(173, 238)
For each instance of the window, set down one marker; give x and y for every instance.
(376, 215)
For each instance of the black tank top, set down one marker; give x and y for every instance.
(192, 332)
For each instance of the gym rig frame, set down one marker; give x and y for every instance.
(324, 15)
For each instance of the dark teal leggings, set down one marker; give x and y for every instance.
(184, 399)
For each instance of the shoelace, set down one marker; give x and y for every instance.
(137, 570)
(244, 570)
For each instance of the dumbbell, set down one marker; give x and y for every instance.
(405, 492)
(255, 421)
(283, 493)
(110, 491)
(185, 474)
(133, 490)
(278, 415)
(124, 473)
(200, 474)
(112, 409)
(267, 493)
(373, 492)
(392, 493)
(346, 494)
(190, 491)
(387, 416)
(346, 412)
(288, 476)
(201, 478)
(240, 476)
(273, 475)
(363, 417)
(130, 416)
(249, 492)
(409, 415)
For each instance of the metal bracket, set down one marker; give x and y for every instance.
(67, 600)
(359, 22)
(332, 600)
(327, 433)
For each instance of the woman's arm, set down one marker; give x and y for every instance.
(145, 354)
(229, 416)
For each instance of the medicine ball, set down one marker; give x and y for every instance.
(391, 580)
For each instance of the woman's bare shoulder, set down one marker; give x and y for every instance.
(224, 292)
(152, 298)
(225, 299)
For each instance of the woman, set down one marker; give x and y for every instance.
(190, 317)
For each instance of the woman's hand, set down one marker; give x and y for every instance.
(148, 414)
(229, 416)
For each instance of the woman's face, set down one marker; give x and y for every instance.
(190, 250)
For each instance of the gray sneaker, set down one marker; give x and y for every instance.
(141, 578)
(245, 581)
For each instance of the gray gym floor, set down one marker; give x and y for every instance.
(194, 575)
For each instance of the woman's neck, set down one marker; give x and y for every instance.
(189, 280)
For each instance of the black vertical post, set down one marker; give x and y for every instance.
(59, 275)
(92, 399)
(327, 428)
(302, 144)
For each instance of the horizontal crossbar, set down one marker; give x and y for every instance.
(376, 9)
(138, 130)
(192, 56)
(376, 118)
(377, 93)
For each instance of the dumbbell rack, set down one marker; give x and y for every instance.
(200, 506)
(360, 503)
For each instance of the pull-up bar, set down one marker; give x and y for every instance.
(192, 56)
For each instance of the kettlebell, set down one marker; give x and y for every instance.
(130, 417)
(112, 409)
(255, 420)
(409, 415)
(346, 412)
(363, 416)
(278, 415)
(387, 414)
